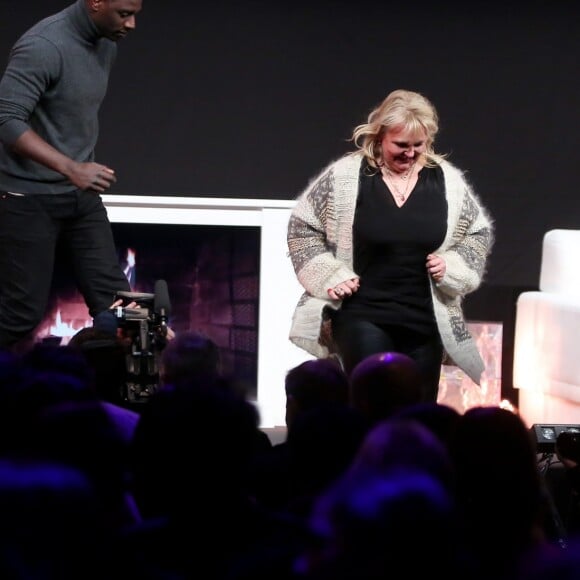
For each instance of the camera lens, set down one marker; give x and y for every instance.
(568, 444)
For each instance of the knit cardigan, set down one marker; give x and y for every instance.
(320, 245)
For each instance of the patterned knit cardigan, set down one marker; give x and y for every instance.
(321, 250)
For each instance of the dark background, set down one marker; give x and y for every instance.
(249, 99)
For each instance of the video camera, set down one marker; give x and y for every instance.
(563, 438)
(144, 327)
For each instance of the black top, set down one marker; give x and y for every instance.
(391, 244)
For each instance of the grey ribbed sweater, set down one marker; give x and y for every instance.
(54, 84)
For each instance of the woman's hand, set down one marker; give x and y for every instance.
(344, 289)
(436, 267)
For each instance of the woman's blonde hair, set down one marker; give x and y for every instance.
(402, 109)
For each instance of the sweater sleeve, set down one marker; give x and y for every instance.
(311, 250)
(471, 243)
(34, 63)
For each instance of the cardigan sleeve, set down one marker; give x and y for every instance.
(471, 243)
(311, 251)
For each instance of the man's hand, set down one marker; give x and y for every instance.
(91, 176)
(120, 303)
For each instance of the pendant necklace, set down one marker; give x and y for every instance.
(399, 195)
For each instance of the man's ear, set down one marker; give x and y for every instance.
(94, 5)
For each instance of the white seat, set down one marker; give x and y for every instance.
(546, 366)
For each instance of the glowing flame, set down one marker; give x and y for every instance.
(129, 269)
(63, 329)
(509, 406)
(130, 258)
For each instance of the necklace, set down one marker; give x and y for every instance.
(399, 195)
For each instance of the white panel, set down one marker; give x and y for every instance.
(279, 293)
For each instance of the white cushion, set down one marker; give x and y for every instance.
(560, 270)
(546, 353)
(547, 335)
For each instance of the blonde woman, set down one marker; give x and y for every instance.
(386, 242)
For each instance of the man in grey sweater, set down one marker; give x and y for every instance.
(50, 183)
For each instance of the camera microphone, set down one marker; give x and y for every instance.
(162, 303)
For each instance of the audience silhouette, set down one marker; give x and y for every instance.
(313, 383)
(52, 527)
(441, 419)
(384, 383)
(320, 423)
(192, 452)
(189, 355)
(397, 443)
(368, 477)
(106, 354)
(499, 490)
(366, 528)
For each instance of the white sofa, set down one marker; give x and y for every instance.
(546, 366)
